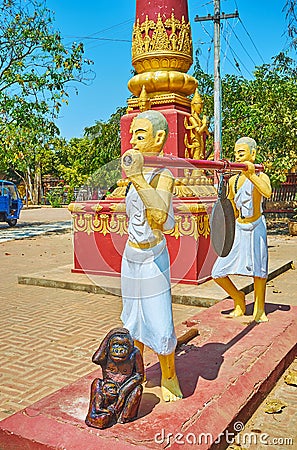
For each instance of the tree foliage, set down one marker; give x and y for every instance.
(86, 160)
(105, 139)
(290, 10)
(263, 108)
(35, 70)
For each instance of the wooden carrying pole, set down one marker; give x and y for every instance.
(184, 163)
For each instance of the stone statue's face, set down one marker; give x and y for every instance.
(242, 153)
(143, 138)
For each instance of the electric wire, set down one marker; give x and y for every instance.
(237, 59)
(251, 40)
(236, 67)
(209, 48)
(241, 44)
(93, 36)
(224, 30)
(113, 26)
(99, 39)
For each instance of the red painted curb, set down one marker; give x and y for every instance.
(224, 373)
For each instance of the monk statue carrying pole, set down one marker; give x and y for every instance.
(249, 253)
(145, 274)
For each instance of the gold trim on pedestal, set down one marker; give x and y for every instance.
(118, 207)
(161, 99)
(97, 208)
(100, 223)
(192, 207)
(76, 207)
(192, 225)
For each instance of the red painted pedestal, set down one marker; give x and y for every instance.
(100, 235)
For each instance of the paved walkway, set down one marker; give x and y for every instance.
(49, 335)
(35, 222)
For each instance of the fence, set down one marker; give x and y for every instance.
(284, 197)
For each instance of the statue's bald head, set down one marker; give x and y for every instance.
(251, 143)
(157, 120)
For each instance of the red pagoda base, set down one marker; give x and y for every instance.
(100, 235)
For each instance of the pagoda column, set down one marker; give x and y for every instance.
(161, 56)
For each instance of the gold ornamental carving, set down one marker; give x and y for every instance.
(198, 130)
(118, 207)
(161, 55)
(97, 207)
(162, 81)
(162, 45)
(159, 99)
(193, 225)
(192, 207)
(76, 207)
(100, 223)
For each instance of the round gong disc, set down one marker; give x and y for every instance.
(222, 227)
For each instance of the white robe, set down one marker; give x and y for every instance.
(145, 280)
(249, 253)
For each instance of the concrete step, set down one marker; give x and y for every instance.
(206, 294)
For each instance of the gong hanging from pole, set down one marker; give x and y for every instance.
(222, 221)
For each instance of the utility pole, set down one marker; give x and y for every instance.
(216, 18)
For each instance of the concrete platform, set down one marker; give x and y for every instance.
(206, 294)
(224, 373)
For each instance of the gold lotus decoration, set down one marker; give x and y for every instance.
(161, 55)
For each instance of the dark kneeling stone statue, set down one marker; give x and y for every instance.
(116, 397)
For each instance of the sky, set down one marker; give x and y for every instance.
(105, 28)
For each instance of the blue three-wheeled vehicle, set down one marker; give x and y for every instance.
(10, 203)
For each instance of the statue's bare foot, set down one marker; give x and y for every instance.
(260, 316)
(239, 304)
(170, 389)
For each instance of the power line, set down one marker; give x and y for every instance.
(236, 58)
(241, 44)
(228, 34)
(237, 68)
(113, 26)
(91, 36)
(209, 48)
(251, 40)
(99, 39)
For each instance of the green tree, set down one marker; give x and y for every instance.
(105, 140)
(105, 143)
(72, 160)
(28, 154)
(263, 108)
(87, 160)
(35, 71)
